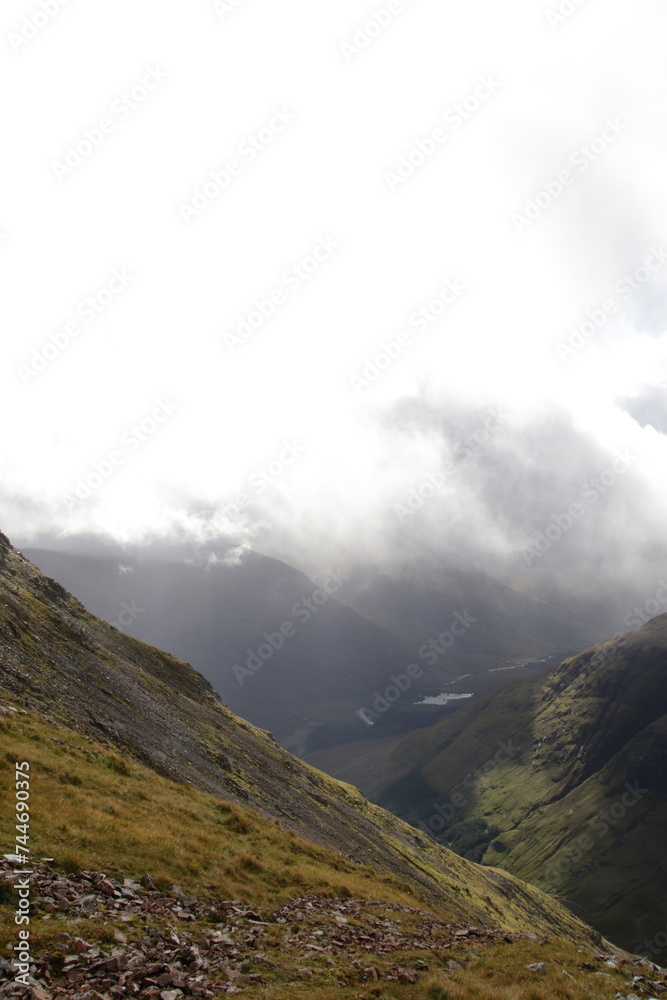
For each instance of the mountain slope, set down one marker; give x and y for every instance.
(228, 619)
(510, 627)
(305, 661)
(510, 636)
(255, 909)
(73, 670)
(561, 779)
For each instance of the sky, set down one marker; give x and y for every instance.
(338, 280)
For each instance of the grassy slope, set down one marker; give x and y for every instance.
(212, 616)
(579, 735)
(75, 671)
(96, 810)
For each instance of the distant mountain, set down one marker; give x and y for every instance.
(507, 636)
(277, 646)
(97, 711)
(560, 779)
(509, 629)
(339, 668)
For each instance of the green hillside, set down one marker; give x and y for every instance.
(183, 852)
(559, 779)
(152, 883)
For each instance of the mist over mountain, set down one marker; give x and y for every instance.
(336, 367)
(74, 674)
(355, 655)
(277, 646)
(528, 494)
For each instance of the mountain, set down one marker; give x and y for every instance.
(332, 667)
(512, 634)
(136, 764)
(74, 669)
(508, 635)
(560, 779)
(277, 646)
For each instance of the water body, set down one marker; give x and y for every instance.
(442, 699)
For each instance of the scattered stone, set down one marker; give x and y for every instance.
(406, 976)
(205, 961)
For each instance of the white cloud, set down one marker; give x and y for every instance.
(325, 175)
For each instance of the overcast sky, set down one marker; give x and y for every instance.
(311, 275)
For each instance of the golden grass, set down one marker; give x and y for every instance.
(104, 813)
(92, 809)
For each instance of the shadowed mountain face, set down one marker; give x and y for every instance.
(509, 628)
(285, 652)
(561, 779)
(71, 669)
(277, 646)
(508, 636)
